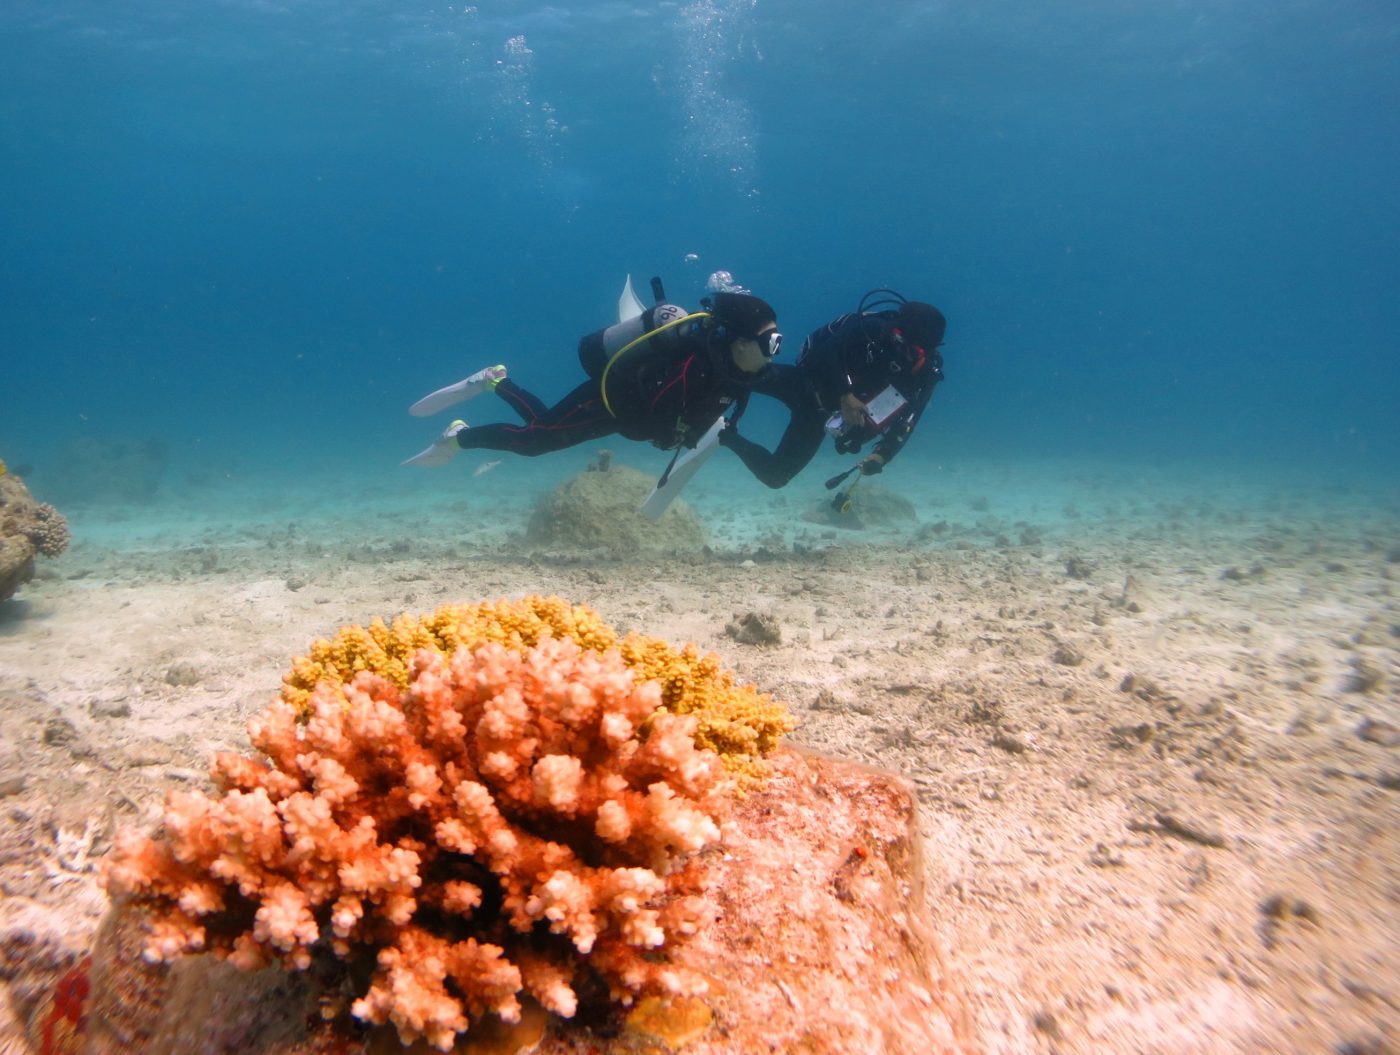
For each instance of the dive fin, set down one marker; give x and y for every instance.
(442, 450)
(467, 388)
(628, 306)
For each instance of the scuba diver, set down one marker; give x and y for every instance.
(865, 375)
(664, 376)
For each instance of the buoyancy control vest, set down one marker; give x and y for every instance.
(636, 354)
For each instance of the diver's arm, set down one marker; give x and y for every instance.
(824, 357)
(853, 412)
(759, 460)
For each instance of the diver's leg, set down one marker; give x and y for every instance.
(526, 404)
(577, 418)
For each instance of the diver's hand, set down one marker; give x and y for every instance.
(853, 411)
(872, 465)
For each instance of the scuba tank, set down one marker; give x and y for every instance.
(596, 349)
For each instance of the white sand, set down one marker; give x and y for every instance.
(1152, 823)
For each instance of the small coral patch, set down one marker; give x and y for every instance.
(736, 721)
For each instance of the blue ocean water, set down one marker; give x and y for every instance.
(251, 232)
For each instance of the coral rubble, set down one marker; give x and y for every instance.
(28, 529)
(497, 820)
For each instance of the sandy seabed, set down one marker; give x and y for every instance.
(1154, 723)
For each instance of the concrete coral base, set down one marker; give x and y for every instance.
(817, 946)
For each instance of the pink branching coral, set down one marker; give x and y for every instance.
(515, 821)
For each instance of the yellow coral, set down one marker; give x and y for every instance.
(737, 722)
(3, 469)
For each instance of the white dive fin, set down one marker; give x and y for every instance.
(686, 466)
(628, 306)
(467, 388)
(431, 457)
(442, 450)
(442, 399)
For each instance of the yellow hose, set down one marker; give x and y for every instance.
(603, 382)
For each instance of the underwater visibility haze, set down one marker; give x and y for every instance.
(256, 231)
(1121, 617)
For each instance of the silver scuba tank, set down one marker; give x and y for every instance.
(595, 349)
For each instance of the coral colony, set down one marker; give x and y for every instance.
(28, 529)
(490, 801)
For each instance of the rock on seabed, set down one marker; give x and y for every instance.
(602, 510)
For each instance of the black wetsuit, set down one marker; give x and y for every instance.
(667, 391)
(854, 354)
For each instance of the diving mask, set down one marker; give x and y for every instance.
(769, 343)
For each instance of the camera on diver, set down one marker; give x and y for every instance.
(851, 440)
